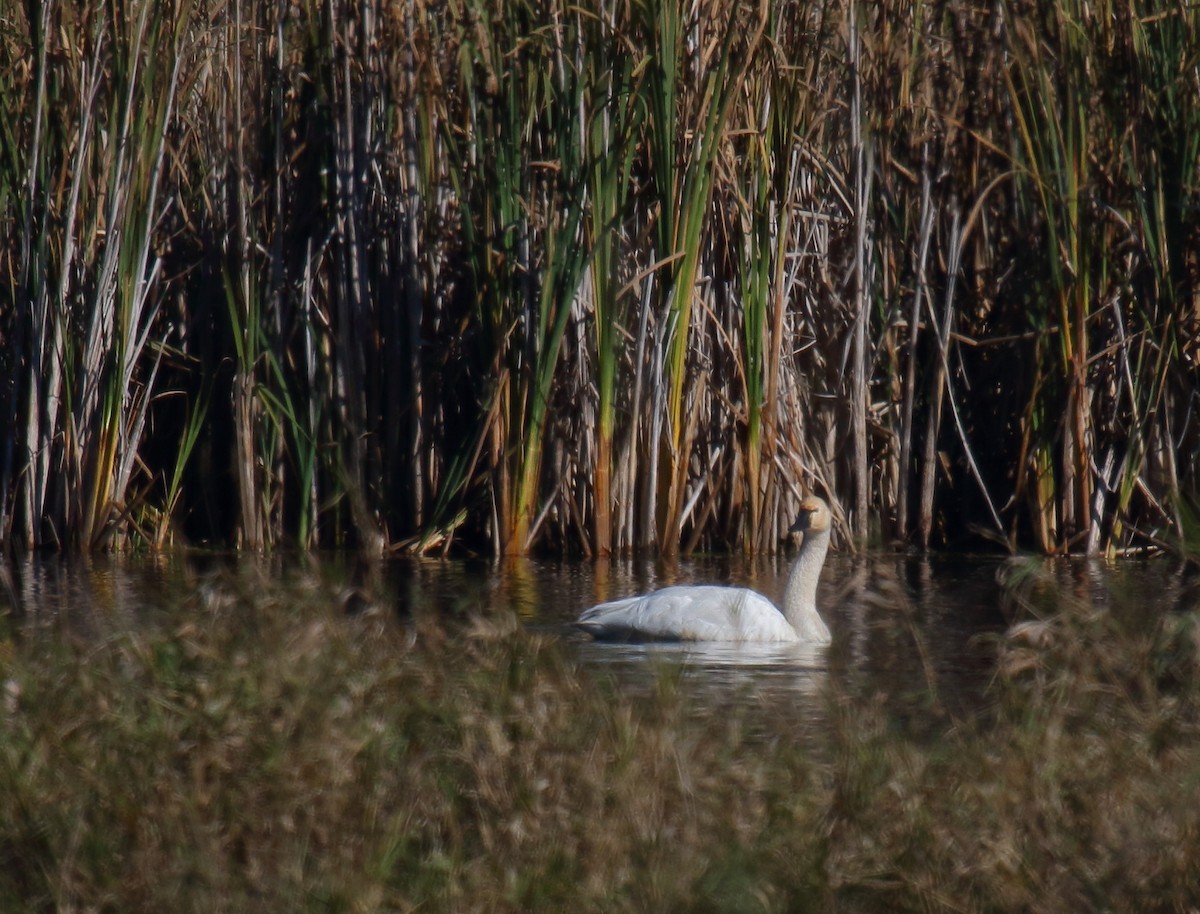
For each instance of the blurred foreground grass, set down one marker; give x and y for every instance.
(261, 751)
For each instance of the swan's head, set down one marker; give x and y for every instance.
(814, 516)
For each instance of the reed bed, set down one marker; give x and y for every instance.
(251, 746)
(516, 275)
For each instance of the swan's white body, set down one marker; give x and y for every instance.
(709, 613)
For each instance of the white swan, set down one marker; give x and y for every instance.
(707, 613)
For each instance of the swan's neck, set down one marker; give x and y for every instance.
(800, 597)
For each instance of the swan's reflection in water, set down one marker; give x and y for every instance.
(791, 666)
(754, 687)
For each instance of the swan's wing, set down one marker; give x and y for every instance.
(701, 613)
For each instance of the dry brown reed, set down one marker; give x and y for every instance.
(527, 275)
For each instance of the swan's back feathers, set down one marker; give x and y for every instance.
(709, 613)
(690, 613)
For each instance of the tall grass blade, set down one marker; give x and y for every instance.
(611, 117)
(684, 178)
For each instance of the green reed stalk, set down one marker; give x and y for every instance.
(39, 379)
(663, 23)
(242, 292)
(255, 206)
(241, 303)
(1161, 158)
(566, 258)
(685, 189)
(768, 178)
(90, 274)
(757, 273)
(173, 481)
(522, 225)
(146, 68)
(612, 116)
(491, 183)
(1051, 107)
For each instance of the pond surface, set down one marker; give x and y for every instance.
(912, 632)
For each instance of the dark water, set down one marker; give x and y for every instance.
(915, 630)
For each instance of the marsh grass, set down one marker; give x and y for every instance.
(532, 276)
(252, 748)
